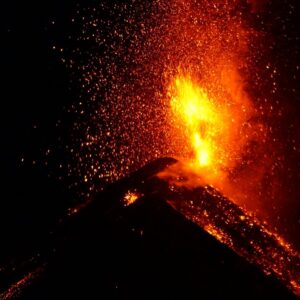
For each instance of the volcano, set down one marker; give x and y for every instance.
(143, 238)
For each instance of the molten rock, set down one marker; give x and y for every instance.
(148, 237)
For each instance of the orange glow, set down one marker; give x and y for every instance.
(130, 197)
(200, 117)
(192, 105)
(190, 80)
(210, 126)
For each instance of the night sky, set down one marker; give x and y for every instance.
(34, 94)
(39, 92)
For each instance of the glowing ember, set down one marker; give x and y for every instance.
(130, 197)
(16, 289)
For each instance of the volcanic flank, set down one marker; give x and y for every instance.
(130, 243)
(212, 84)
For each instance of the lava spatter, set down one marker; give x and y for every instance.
(126, 68)
(178, 78)
(133, 57)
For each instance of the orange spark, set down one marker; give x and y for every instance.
(130, 197)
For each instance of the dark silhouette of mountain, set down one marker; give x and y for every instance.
(147, 250)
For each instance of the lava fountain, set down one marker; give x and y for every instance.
(178, 78)
(203, 122)
(211, 128)
(212, 133)
(214, 130)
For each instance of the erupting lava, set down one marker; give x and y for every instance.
(183, 78)
(191, 79)
(199, 114)
(207, 125)
(214, 129)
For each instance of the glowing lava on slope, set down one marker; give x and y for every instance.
(211, 128)
(181, 78)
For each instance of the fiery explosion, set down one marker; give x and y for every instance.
(198, 113)
(191, 79)
(209, 126)
(179, 78)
